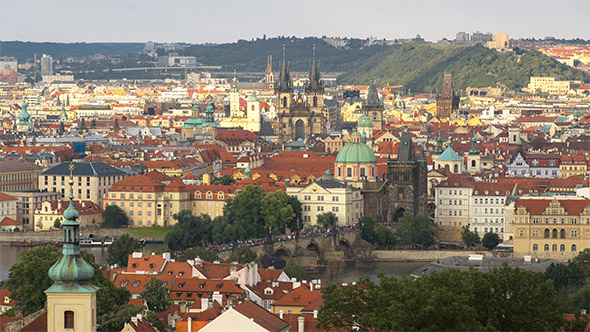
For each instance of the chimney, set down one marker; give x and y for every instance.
(281, 313)
(217, 297)
(204, 303)
(315, 313)
(190, 324)
(300, 324)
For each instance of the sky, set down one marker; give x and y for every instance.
(220, 21)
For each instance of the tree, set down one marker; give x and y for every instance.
(189, 231)
(490, 240)
(425, 238)
(224, 180)
(296, 223)
(277, 212)
(580, 300)
(565, 276)
(583, 261)
(293, 270)
(115, 320)
(206, 255)
(57, 223)
(155, 321)
(469, 238)
(504, 299)
(368, 229)
(29, 278)
(327, 220)
(242, 255)
(156, 295)
(114, 216)
(120, 250)
(244, 212)
(384, 237)
(414, 230)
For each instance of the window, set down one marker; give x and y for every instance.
(536, 233)
(320, 208)
(574, 233)
(335, 198)
(139, 204)
(320, 198)
(122, 203)
(521, 232)
(562, 248)
(307, 198)
(546, 247)
(535, 247)
(554, 247)
(130, 204)
(306, 208)
(574, 248)
(334, 209)
(68, 319)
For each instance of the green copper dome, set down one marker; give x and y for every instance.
(210, 108)
(253, 98)
(23, 116)
(365, 121)
(356, 152)
(196, 107)
(449, 155)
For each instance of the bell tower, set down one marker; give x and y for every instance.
(269, 75)
(71, 300)
(315, 98)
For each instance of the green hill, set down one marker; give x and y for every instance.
(250, 56)
(24, 51)
(420, 67)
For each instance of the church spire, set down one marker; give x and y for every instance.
(314, 73)
(284, 79)
(373, 96)
(234, 84)
(439, 141)
(474, 150)
(71, 273)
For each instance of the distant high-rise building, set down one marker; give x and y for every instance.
(150, 46)
(462, 37)
(481, 37)
(46, 65)
(8, 70)
(500, 42)
(448, 101)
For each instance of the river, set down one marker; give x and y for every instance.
(350, 271)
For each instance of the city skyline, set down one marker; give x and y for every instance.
(231, 20)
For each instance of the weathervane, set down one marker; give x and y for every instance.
(71, 168)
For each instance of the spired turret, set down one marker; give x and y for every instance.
(71, 300)
(284, 77)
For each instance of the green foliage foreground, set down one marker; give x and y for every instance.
(504, 299)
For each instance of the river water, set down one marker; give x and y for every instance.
(349, 272)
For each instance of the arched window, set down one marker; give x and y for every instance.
(554, 233)
(535, 247)
(546, 235)
(574, 248)
(562, 233)
(456, 169)
(473, 163)
(315, 101)
(562, 248)
(546, 247)
(253, 107)
(284, 101)
(554, 247)
(68, 319)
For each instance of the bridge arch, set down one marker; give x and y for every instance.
(283, 253)
(314, 247)
(398, 214)
(344, 243)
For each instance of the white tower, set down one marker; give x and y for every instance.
(253, 113)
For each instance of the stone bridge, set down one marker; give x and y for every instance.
(319, 250)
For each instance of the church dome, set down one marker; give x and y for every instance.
(210, 108)
(356, 151)
(365, 121)
(71, 268)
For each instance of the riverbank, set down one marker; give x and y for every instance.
(151, 233)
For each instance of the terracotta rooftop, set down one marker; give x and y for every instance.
(262, 316)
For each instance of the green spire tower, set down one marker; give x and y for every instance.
(439, 145)
(71, 300)
(474, 149)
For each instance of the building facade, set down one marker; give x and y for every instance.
(92, 180)
(555, 227)
(17, 175)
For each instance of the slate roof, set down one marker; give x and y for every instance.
(84, 169)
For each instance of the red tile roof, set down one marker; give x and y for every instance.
(5, 197)
(299, 297)
(6, 221)
(262, 316)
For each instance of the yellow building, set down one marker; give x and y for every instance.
(210, 199)
(49, 212)
(573, 165)
(160, 121)
(550, 85)
(555, 227)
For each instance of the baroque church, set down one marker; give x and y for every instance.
(299, 116)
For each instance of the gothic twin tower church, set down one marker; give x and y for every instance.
(299, 115)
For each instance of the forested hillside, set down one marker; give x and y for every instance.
(420, 67)
(24, 51)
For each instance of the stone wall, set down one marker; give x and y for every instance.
(419, 255)
(56, 235)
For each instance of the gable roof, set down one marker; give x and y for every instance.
(84, 169)
(262, 316)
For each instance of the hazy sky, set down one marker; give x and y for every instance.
(199, 21)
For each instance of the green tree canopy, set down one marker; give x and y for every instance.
(114, 216)
(503, 299)
(224, 180)
(414, 230)
(57, 223)
(189, 231)
(469, 238)
(368, 229)
(156, 295)
(293, 270)
(384, 237)
(277, 212)
(206, 255)
(244, 211)
(297, 222)
(565, 275)
(115, 320)
(327, 220)
(120, 250)
(243, 255)
(583, 261)
(490, 240)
